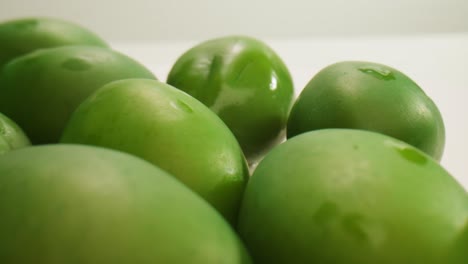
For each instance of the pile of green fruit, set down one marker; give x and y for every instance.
(128, 169)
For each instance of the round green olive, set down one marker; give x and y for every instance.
(41, 89)
(346, 196)
(169, 128)
(243, 81)
(21, 36)
(369, 96)
(80, 204)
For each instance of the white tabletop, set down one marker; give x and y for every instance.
(438, 63)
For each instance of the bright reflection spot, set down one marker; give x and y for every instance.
(237, 48)
(273, 83)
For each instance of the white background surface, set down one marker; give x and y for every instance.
(154, 20)
(426, 39)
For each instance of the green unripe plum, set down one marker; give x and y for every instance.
(81, 204)
(369, 96)
(41, 89)
(243, 81)
(21, 36)
(347, 196)
(169, 128)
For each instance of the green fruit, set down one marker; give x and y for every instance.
(41, 90)
(369, 96)
(21, 36)
(11, 135)
(346, 196)
(243, 81)
(79, 204)
(169, 128)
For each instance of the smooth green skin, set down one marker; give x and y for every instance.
(348, 196)
(11, 135)
(169, 128)
(41, 90)
(369, 96)
(21, 36)
(243, 81)
(87, 205)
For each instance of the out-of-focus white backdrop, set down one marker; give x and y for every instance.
(146, 20)
(426, 39)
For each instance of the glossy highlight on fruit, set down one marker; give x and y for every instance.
(41, 89)
(243, 81)
(11, 135)
(81, 204)
(348, 196)
(21, 36)
(369, 96)
(169, 128)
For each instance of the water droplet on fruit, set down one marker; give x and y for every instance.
(378, 72)
(76, 64)
(180, 105)
(412, 155)
(408, 153)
